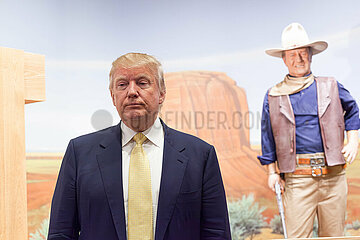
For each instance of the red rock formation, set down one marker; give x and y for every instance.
(211, 106)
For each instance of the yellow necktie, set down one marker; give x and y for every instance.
(140, 215)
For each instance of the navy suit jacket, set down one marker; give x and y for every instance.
(88, 199)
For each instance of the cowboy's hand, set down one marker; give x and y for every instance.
(350, 149)
(273, 178)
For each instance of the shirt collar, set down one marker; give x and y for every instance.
(304, 76)
(154, 134)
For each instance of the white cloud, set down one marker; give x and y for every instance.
(214, 60)
(335, 40)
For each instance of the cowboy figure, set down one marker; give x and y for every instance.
(302, 130)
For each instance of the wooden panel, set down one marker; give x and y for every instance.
(34, 77)
(13, 210)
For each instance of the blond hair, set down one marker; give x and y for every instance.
(131, 60)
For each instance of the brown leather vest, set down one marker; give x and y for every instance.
(331, 119)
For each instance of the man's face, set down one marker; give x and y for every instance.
(136, 96)
(298, 61)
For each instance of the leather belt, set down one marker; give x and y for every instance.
(315, 172)
(319, 171)
(311, 161)
(314, 164)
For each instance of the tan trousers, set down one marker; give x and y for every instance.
(307, 196)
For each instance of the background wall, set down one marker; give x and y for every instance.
(81, 38)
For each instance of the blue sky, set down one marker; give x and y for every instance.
(81, 38)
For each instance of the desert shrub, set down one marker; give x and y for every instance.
(246, 217)
(348, 226)
(42, 232)
(356, 225)
(276, 225)
(316, 228)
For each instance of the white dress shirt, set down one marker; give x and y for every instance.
(154, 148)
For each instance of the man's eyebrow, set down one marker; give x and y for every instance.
(118, 78)
(139, 76)
(142, 75)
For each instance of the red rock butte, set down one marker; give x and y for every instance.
(211, 106)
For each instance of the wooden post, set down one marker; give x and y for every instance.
(22, 80)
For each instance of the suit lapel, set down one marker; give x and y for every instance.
(110, 165)
(173, 169)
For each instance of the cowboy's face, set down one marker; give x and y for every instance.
(298, 61)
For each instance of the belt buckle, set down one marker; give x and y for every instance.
(317, 163)
(313, 171)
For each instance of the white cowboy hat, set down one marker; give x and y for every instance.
(295, 36)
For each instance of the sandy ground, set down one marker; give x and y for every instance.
(42, 174)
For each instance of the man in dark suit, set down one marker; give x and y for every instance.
(139, 179)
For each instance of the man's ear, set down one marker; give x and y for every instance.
(162, 96)
(113, 97)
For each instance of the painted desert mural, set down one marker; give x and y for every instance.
(211, 106)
